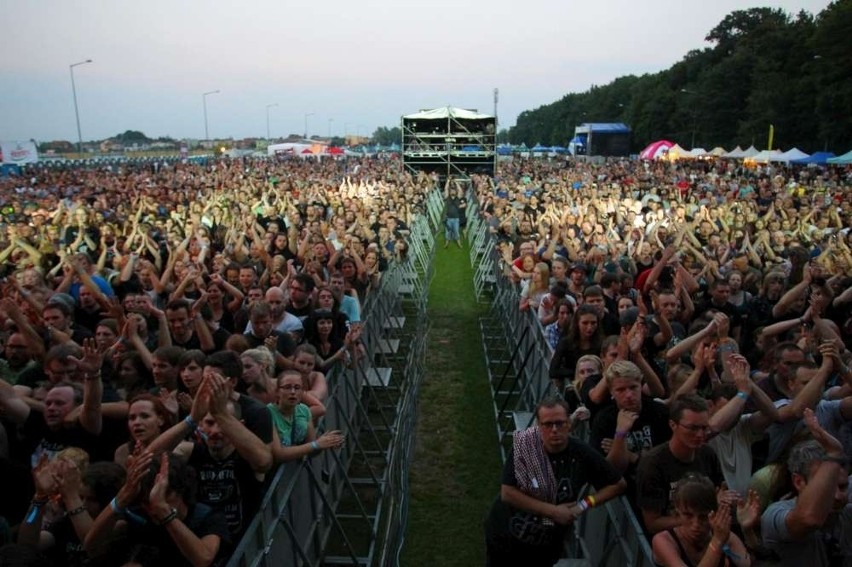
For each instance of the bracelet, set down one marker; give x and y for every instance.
(169, 518)
(621, 434)
(315, 446)
(742, 395)
(118, 511)
(190, 422)
(75, 511)
(714, 547)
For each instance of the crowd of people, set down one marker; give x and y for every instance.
(700, 319)
(168, 327)
(167, 331)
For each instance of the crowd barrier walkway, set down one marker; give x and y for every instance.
(517, 358)
(350, 506)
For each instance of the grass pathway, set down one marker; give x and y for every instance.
(456, 468)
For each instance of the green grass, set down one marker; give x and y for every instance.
(456, 468)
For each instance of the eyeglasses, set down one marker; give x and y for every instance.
(290, 387)
(553, 424)
(694, 428)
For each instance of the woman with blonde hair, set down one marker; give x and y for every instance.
(535, 288)
(258, 365)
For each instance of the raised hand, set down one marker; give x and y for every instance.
(137, 468)
(748, 511)
(90, 364)
(832, 446)
(720, 523)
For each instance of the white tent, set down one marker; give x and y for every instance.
(446, 112)
(791, 155)
(697, 152)
(677, 152)
(766, 156)
(718, 151)
(750, 152)
(735, 153)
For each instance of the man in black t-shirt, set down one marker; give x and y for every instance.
(229, 458)
(664, 465)
(543, 478)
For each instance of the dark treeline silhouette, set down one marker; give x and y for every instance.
(764, 67)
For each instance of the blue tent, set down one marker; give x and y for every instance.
(842, 160)
(819, 158)
(505, 150)
(539, 148)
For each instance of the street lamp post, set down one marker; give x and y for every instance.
(77, 110)
(268, 106)
(306, 122)
(204, 102)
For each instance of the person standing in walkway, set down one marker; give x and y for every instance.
(455, 206)
(543, 478)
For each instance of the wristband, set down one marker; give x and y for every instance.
(169, 518)
(190, 422)
(621, 434)
(315, 446)
(75, 511)
(35, 508)
(742, 395)
(116, 509)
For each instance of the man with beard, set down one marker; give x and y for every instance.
(229, 459)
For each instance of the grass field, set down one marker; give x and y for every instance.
(456, 469)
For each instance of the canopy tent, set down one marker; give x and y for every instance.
(718, 151)
(735, 153)
(538, 148)
(750, 152)
(765, 156)
(790, 155)
(504, 150)
(818, 158)
(656, 150)
(676, 152)
(446, 112)
(697, 152)
(841, 160)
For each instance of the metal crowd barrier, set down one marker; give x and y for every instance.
(518, 360)
(350, 506)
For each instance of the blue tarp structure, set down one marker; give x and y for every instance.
(604, 128)
(818, 158)
(504, 150)
(539, 148)
(8, 169)
(842, 160)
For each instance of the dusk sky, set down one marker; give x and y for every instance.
(356, 65)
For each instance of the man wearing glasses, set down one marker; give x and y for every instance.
(301, 290)
(543, 478)
(686, 452)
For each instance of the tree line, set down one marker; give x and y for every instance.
(764, 66)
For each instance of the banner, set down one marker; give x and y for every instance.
(771, 137)
(18, 152)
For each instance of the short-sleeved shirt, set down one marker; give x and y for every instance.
(733, 449)
(659, 470)
(228, 485)
(831, 545)
(256, 418)
(573, 468)
(291, 431)
(152, 546)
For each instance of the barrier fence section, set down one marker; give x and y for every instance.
(518, 359)
(350, 506)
